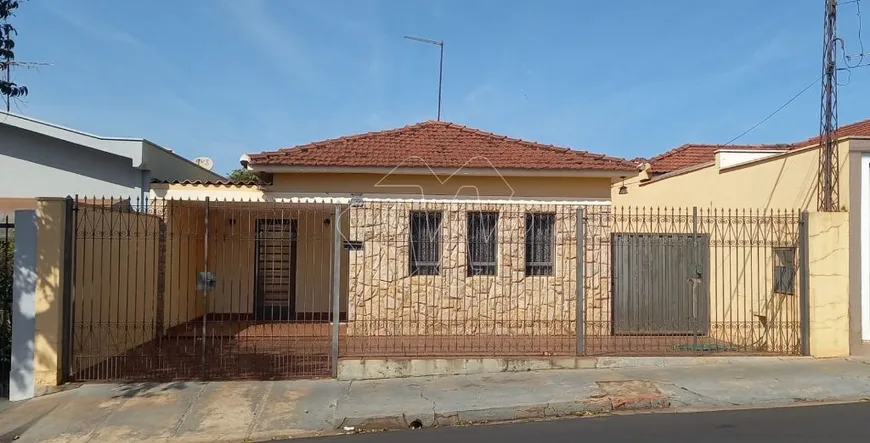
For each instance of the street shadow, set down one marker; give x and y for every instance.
(146, 390)
(14, 434)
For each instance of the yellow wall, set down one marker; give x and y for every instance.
(829, 284)
(232, 241)
(781, 182)
(50, 214)
(8, 206)
(185, 252)
(115, 282)
(429, 185)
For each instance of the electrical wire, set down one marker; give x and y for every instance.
(769, 116)
(861, 54)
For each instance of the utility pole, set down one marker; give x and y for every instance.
(829, 163)
(440, 44)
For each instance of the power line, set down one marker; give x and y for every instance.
(769, 116)
(861, 54)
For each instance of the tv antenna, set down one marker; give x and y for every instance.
(7, 68)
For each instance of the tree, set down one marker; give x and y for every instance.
(8, 88)
(245, 175)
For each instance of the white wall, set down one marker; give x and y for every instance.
(865, 247)
(34, 165)
(736, 157)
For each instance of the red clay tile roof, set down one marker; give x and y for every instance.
(224, 182)
(692, 154)
(438, 145)
(861, 128)
(695, 154)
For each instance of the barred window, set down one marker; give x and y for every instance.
(482, 243)
(539, 243)
(783, 270)
(425, 247)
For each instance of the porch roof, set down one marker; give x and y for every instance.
(232, 191)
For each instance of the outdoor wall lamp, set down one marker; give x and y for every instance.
(623, 189)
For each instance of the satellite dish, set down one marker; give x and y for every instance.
(204, 162)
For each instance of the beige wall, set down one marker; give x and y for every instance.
(184, 257)
(115, 270)
(9, 205)
(50, 214)
(829, 284)
(780, 182)
(429, 185)
(232, 240)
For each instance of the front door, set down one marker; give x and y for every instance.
(275, 257)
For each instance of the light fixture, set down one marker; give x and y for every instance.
(623, 189)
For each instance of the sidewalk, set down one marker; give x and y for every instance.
(253, 411)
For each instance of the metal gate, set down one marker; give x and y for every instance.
(658, 284)
(182, 289)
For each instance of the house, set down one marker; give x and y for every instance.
(767, 179)
(430, 182)
(40, 159)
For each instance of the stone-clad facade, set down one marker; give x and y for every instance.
(385, 300)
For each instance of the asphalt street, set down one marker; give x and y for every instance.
(830, 423)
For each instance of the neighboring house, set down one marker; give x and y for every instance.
(768, 179)
(39, 159)
(696, 154)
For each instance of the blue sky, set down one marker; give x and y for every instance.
(622, 77)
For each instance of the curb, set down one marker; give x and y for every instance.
(584, 407)
(355, 369)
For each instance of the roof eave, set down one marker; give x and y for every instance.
(112, 145)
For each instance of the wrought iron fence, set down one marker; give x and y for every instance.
(499, 279)
(686, 281)
(7, 257)
(175, 289)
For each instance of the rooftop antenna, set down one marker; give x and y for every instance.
(7, 68)
(440, 44)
